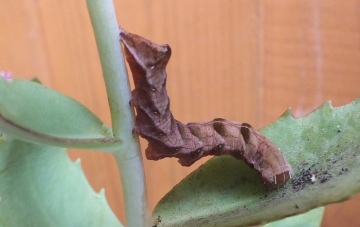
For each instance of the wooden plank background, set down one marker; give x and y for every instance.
(243, 60)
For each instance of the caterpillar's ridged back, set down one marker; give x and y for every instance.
(168, 137)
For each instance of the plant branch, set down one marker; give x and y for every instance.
(128, 156)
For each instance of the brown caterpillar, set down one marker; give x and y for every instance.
(168, 137)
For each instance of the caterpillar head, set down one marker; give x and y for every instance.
(147, 54)
(147, 61)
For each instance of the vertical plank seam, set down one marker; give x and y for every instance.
(47, 79)
(260, 63)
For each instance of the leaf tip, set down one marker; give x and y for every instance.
(326, 106)
(35, 80)
(78, 162)
(107, 130)
(101, 193)
(287, 113)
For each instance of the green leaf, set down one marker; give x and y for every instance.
(311, 218)
(324, 146)
(34, 113)
(40, 186)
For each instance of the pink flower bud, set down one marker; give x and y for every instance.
(7, 75)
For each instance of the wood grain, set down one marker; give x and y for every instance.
(258, 58)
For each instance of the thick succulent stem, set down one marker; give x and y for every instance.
(128, 156)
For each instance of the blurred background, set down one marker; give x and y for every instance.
(246, 61)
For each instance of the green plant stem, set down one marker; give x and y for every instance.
(128, 156)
